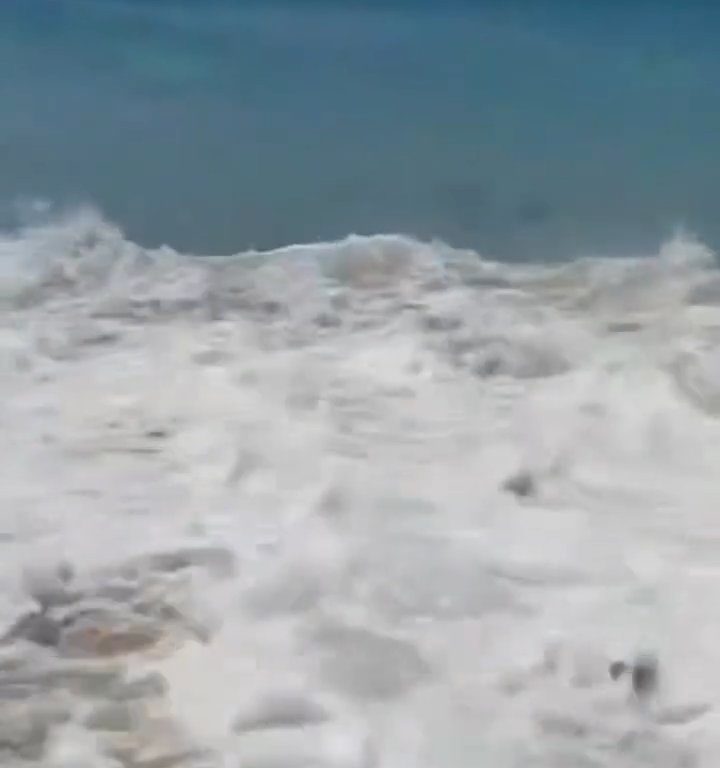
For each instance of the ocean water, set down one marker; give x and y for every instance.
(525, 130)
(353, 498)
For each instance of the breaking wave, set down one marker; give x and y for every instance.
(376, 502)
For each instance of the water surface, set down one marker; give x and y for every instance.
(525, 130)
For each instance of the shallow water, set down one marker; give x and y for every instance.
(281, 481)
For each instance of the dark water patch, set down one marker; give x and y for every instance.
(368, 665)
(522, 484)
(534, 212)
(281, 711)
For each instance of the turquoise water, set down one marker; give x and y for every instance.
(526, 130)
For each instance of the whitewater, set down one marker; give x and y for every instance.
(377, 503)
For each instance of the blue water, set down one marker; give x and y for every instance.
(524, 129)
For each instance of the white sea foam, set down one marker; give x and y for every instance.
(308, 451)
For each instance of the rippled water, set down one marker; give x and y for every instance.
(371, 503)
